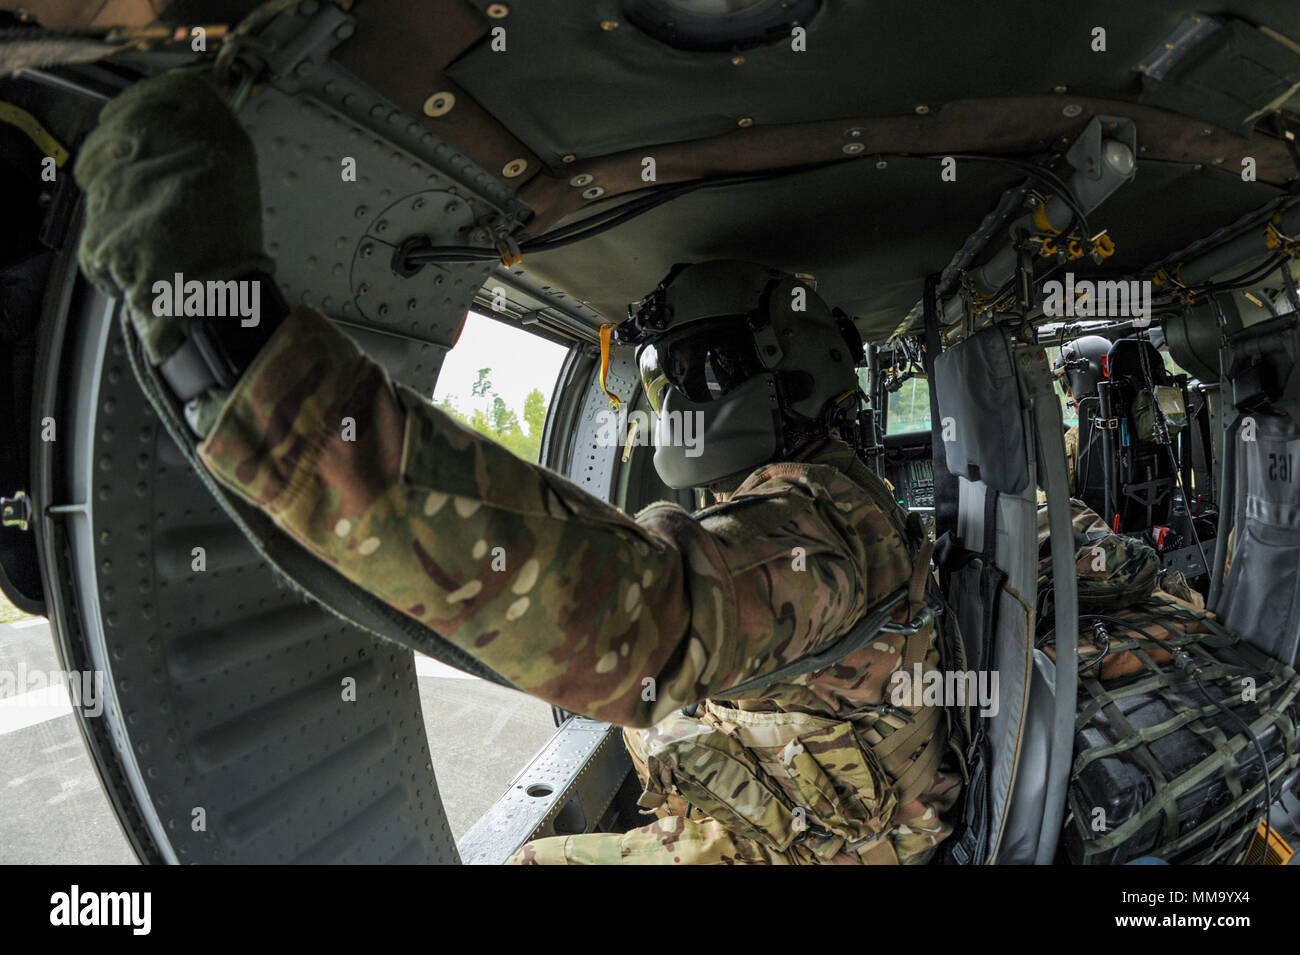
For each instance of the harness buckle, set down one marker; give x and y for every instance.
(927, 616)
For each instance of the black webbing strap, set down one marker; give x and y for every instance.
(217, 351)
(971, 846)
(992, 577)
(869, 625)
(945, 482)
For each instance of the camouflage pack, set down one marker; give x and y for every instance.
(1113, 571)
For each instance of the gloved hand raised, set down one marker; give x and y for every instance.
(171, 187)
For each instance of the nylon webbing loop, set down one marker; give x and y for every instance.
(857, 637)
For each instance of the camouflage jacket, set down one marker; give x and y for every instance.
(626, 620)
(1072, 459)
(1114, 571)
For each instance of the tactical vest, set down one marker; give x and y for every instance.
(810, 787)
(799, 784)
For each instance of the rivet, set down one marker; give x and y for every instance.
(882, 164)
(1207, 132)
(581, 179)
(1058, 89)
(745, 121)
(439, 104)
(361, 212)
(922, 110)
(514, 168)
(568, 158)
(412, 304)
(608, 25)
(383, 309)
(852, 148)
(595, 192)
(451, 207)
(381, 225)
(498, 11)
(367, 250)
(417, 204)
(1074, 109)
(737, 61)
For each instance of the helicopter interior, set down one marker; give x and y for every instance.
(976, 185)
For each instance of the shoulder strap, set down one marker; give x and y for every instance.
(873, 622)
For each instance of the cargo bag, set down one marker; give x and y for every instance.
(1159, 769)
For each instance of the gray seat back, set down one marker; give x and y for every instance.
(1261, 594)
(990, 442)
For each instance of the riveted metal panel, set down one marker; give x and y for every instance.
(250, 725)
(333, 238)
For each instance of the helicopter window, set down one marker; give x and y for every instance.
(500, 380)
(909, 408)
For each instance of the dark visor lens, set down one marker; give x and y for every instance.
(703, 366)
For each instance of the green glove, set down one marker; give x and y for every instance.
(171, 186)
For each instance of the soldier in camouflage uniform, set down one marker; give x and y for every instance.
(1072, 455)
(625, 619)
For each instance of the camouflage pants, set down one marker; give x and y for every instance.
(685, 836)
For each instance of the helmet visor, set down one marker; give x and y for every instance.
(702, 364)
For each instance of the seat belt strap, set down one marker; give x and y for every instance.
(945, 482)
(872, 623)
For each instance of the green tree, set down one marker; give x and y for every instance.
(498, 421)
(535, 413)
(504, 421)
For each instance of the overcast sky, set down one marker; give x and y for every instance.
(519, 361)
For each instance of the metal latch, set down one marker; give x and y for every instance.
(16, 511)
(932, 609)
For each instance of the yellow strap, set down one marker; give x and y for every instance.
(35, 131)
(606, 333)
(1041, 222)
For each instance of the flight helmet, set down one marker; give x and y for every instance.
(749, 356)
(1081, 364)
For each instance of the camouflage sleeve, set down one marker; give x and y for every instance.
(624, 620)
(1112, 569)
(1072, 459)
